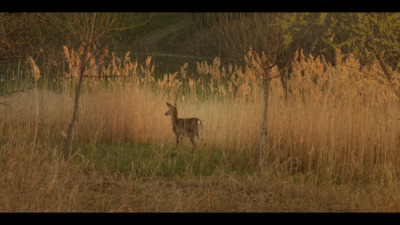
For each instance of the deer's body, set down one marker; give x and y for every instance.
(185, 127)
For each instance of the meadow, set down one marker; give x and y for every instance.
(332, 141)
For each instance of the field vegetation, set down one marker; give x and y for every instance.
(332, 141)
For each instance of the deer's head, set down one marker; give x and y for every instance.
(172, 110)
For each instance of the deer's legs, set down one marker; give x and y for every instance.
(200, 136)
(193, 143)
(178, 141)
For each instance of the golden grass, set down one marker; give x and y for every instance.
(332, 145)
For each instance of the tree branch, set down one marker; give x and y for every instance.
(15, 92)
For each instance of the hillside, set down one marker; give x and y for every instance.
(157, 32)
(163, 37)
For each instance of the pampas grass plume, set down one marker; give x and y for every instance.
(35, 69)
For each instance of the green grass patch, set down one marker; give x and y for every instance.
(147, 160)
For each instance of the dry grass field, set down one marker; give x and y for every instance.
(332, 144)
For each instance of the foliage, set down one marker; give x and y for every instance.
(22, 34)
(361, 34)
(365, 35)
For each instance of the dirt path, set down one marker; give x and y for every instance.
(166, 31)
(162, 32)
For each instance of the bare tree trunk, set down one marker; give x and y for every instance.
(87, 44)
(284, 80)
(263, 136)
(19, 78)
(67, 152)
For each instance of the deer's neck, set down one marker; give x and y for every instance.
(174, 119)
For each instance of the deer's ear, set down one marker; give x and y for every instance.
(169, 105)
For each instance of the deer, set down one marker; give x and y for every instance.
(189, 127)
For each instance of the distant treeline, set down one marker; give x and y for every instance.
(369, 36)
(32, 34)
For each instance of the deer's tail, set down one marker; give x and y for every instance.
(200, 131)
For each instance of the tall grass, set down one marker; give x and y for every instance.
(338, 124)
